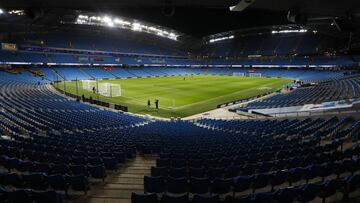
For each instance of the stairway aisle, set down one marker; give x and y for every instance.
(118, 186)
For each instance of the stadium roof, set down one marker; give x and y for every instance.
(196, 18)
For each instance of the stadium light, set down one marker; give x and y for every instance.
(221, 38)
(136, 26)
(95, 18)
(288, 31)
(1, 11)
(17, 12)
(110, 24)
(106, 19)
(120, 23)
(83, 17)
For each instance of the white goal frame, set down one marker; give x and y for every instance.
(88, 84)
(109, 89)
(257, 75)
(238, 74)
(105, 89)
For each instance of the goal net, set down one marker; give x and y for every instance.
(105, 89)
(238, 74)
(88, 84)
(109, 89)
(258, 75)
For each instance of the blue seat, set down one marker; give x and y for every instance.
(39, 167)
(248, 169)
(195, 163)
(167, 198)
(58, 182)
(79, 183)
(19, 196)
(205, 198)
(330, 187)
(215, 173)
(308, 192)
(221, 186)
(211, 163)
(93, 154)
(36, 181)
(95, 160)
(177, 185)
(240, 199)
(287, 195)
(278, 178)
(260, 181)
(154, 184)
(47, 196)
(352, 183)
(111, 163)
(327, 169)
(24, 165)
(98, 171)
(232, 171)
(61, 169)
(3, 191)
(120, 156)
(296, 174)
(242, 183)
(199, 185)
(143, 198)
(345, 166)
(9, 163)
(197, 172)
(159, 171)
(12, 179)
(178, 172)
(178, 163)
(313, 172)
(78, 160)
(225, 162)
(79, 170)
(264, 197)
(163, 163)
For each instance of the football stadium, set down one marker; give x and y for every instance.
(171, 101)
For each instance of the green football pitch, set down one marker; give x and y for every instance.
(181, 96)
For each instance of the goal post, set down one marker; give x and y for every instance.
(257, 75)
(88, 84)
(115, 90)
(109, 89)
(238, 74)
(105, 89)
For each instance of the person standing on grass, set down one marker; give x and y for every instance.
(148, 104)
(157, 104)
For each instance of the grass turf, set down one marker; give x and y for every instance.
(179, 97)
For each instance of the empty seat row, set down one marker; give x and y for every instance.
(301, 193)
(40, 181)
(221, 185)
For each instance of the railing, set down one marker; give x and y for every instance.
(315, 113)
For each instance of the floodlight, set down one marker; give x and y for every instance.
(110, 24)
(136, 26)
(1, 11)
(106, 19)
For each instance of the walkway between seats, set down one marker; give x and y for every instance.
(119, 185)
